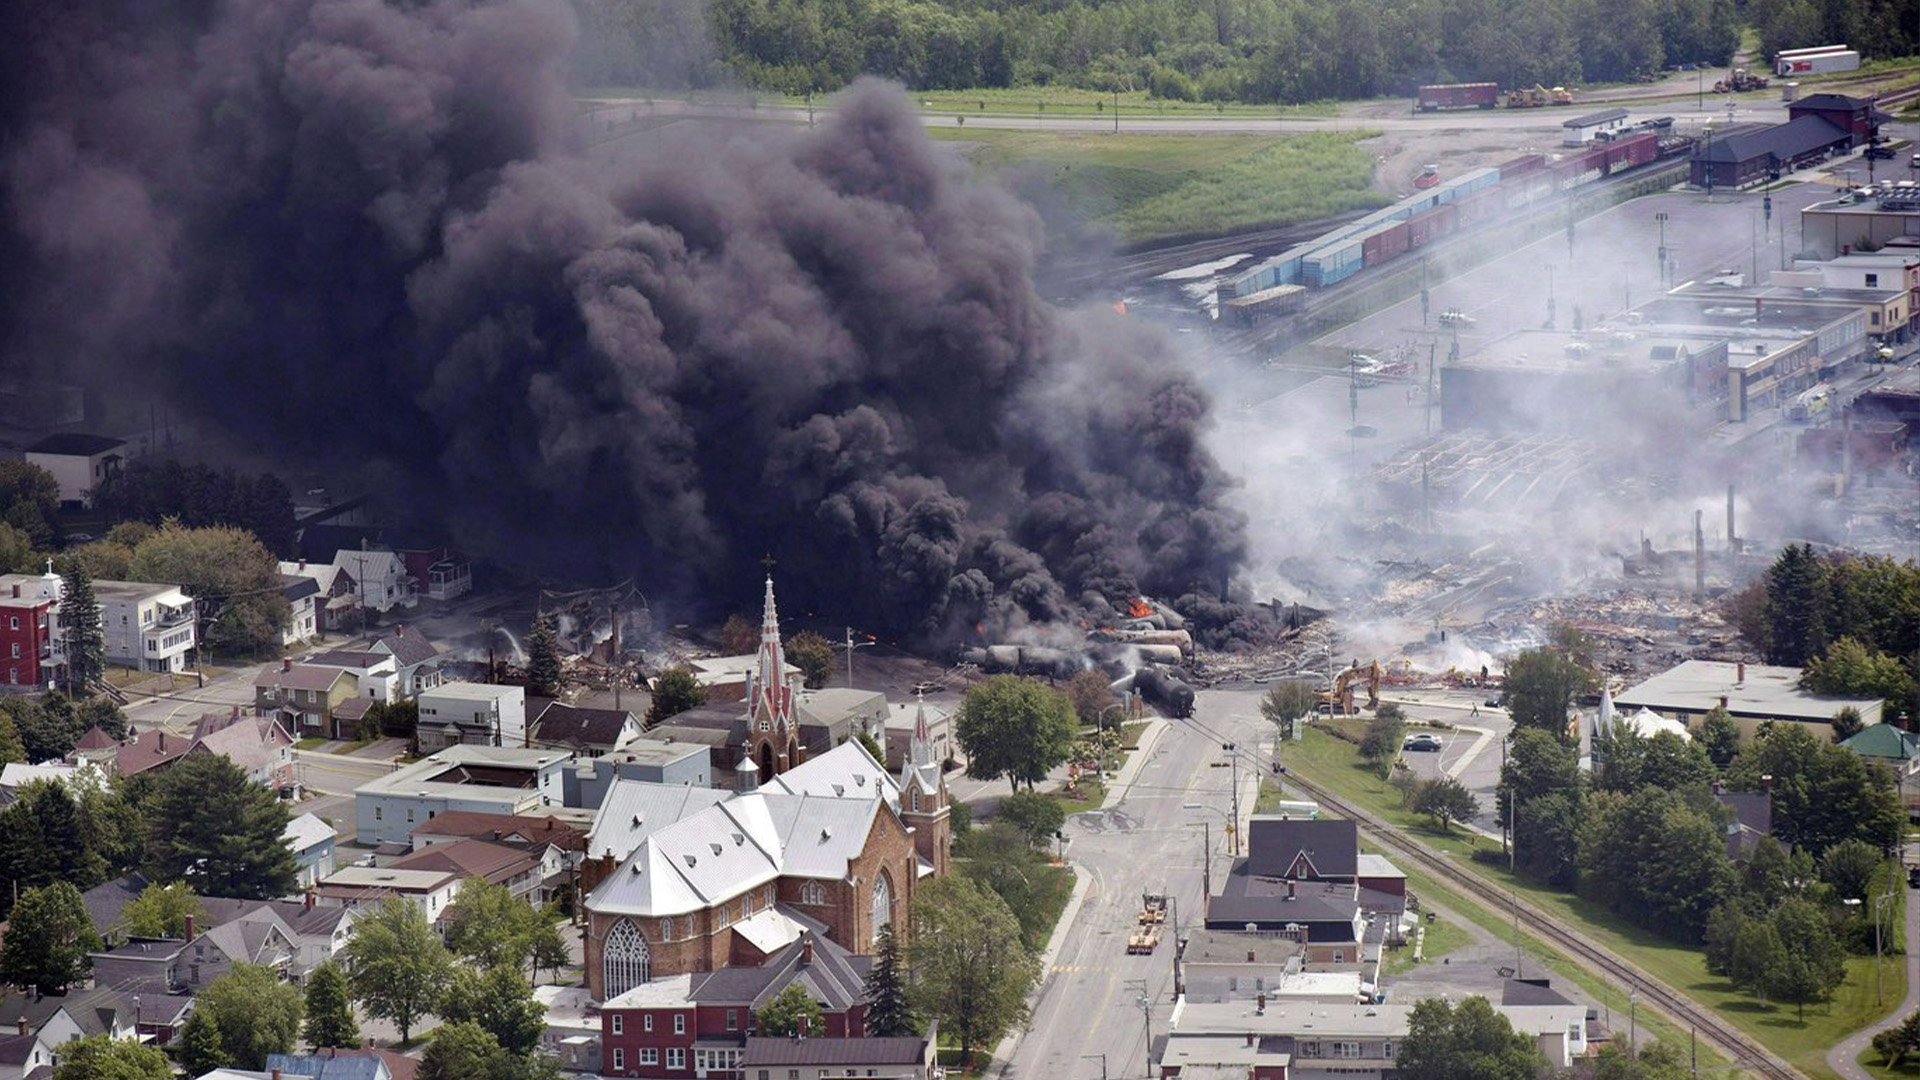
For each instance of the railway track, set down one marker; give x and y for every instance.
(1125, 269)
(1683, 1011)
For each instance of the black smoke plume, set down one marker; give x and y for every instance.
(350, 231)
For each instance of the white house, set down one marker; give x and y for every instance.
(311, 840)
(381, 576)
(484, 779)
(359, 887)
(302, 595)
(482, 714)
(150, 627)
(378, 674)
(79, 462)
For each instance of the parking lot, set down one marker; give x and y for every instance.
(1471, 752)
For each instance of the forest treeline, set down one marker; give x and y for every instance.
(1216, 50)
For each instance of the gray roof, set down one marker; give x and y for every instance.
(1278, 846)
(297, 587)
(1252, 898)
(1766, 692)
(895, 1050)
(327, 1066)
(564, 724)
(408, 649)
(1531, 992)
(1593, 118)
(345, 658)
(835, 977)
(300, 677)
(75, 443)
(1786, 141)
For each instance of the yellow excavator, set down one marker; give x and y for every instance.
(1339, 700)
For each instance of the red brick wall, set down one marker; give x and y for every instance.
(30, 637)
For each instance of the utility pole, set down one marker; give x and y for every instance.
(1103, 1063)
(850, 646)
(1233, 760)
(1666, 279)
(1116, 118)
(1633, 1023)
(1146, 1015)
(1519, 946)
(1433, 350)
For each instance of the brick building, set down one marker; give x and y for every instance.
(681, 885)
(30, 646)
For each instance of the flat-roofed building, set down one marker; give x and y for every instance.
(487, 779)
(1751, 694)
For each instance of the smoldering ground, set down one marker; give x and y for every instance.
(348, 231)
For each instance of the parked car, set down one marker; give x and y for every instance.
(1422, 741)
(1496, 701)
(1455, 317)
(1880, 153)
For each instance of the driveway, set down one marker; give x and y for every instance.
(1842, 1059)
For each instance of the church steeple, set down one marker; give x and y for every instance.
(770, 701)
(923, 794)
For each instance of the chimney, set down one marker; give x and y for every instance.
(286, 663)
(16, 592)
(162, 747)
(236, 712)
(276, 1074)
(189, 928)
(806, 949)
(1739, 673)
(1766, 785)
(400, 630)
(1249, 1038)
(23, 1019)
(1723, 701)
(1260, 1004)
(303, 566)
(307, 900)
(1289, 888)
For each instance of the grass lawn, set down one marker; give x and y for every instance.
(1157, 187)
(950, 1060)
(311, 742)
(1876, 1067)
(1015, 101)
(1804, 1043)
(350, 747)
(1443, 937)
(1088, 794)
(1130, 734)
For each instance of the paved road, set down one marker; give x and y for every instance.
(336, 774)
(1471, 754)
(1842, 1059)
(1144, 841)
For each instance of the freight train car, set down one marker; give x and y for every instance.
(1623, 154)
(1265, 304)
(1484, 95)
(1424, 229)
(1383, 242)
(1466, 183)
(1334, 263)
(1282, 269)
(1524, 165)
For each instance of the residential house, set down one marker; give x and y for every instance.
(149, 627)
(445, 572)
(306, 698)
(189, 963)
(336, 594)
(14, 776)
(330, 1064)
(474, 714)
(899, 731)
(586, 732)
(654, 761)
(257, 744)
(572, 1035)
(40, 1024)
(311, 840)
(381, 577)
(561, 845)
(1897, 750)
(95, 747)
(317, 934)
(488, 779)
(897, 1057)
(705, 1020)
(79, 463)
(149, 750)
(358, 887)
(376, 674)
(25, 1054)
(303, 598)
(32, 644)
(417, 662)
(522, 870)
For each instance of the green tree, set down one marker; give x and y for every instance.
(1656, 856)
(29, 500)
(1822, 794)
(1546, 837)
(1090, 694)
(1287, 701)
(1385, 732)
(1000, 857)
(12, 748)
(102, 713)
(491, 926)
(1815, 963)
(219, 831)
(674, 692)
(103, 1057)
(48, 939)
(255, 1013)
(230, 572)
(889, 1009)
(1719, 736)
(1723, 933)
(973, 970)
(16, 551)
(1849, 668)
(1014, 727)
(1542, 684)
(103, 560)
(48, 726)
(396, 966)
(1847, 724)
(1796, 610)
(543, 657)
(160, 911)
(1849, 866)
(330, 1019)
(813, 655)
(1467, 1042)
(500, 1001)
(86, 638)
(42, 839)
(1446, 801)
(1537, 764)
(1897, 1042)
(872, 747)
(1756, 954)
(199, 1051)
(547, 948)
(791, 1012)
(1659, 1060)
(1035, 815)
(460, 1051)
(1628, 761)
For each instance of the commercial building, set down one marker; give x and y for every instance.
(1855, 116)
(486, 779)
(31, 643)
(1581, 130)
(1882, 217)
(356, 888)
(654, 761)
(1751, 694)
(1745, 157)
(79, 462)
(1550, 380)
(476, 714)
(150, 627)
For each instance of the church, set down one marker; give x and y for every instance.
(691, 879)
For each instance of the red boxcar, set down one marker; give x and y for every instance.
(1423, 229)
(1482, 205)
(1384, 244)
(1521, 166)
(1482, 95)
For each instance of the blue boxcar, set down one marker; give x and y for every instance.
(1333, 263)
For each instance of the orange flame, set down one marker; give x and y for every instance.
(1139, 609)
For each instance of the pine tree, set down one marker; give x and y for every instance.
(200, 1050)
(86, 640)
(888, 1010)
(1796, 607)
(329, 1014)
(543, 658)
(48, 939)
(219, 831)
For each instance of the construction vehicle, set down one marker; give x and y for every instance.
(1146, 935)
(1429, 177)
(1739, 81)
(1538, 97)
(1153, 909)
(1339, 700)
